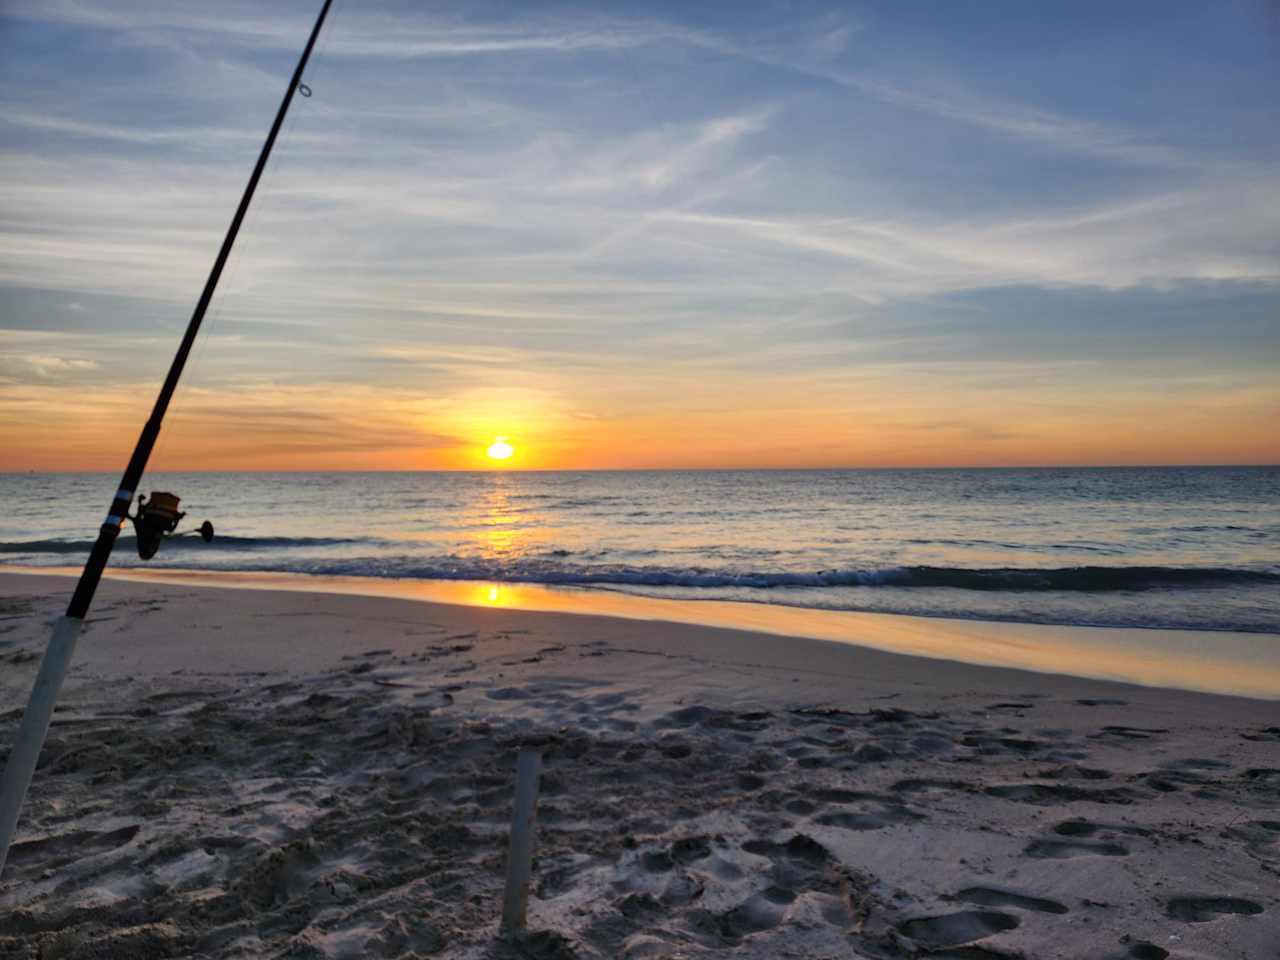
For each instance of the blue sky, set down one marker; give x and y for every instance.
(659, 234)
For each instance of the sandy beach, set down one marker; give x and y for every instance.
(237, 773)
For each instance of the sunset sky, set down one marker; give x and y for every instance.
(644, 235)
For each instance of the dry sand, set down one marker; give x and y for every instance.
(242, 773)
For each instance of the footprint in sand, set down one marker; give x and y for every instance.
(1204, 909)
(886, 816)
(71, 846)
(733, 925)
(640, 906)
(800, 806)
(278, 874)
(801, 848)
(872, 753)
(1024, 745)
(559, 873)
(1264, 776)
(1086, 828)
(841, 795)
(1265, 733)
(1261, 837)
(1197, 763)
(1043, 794)
(508, 693)
(1074, 771)
(1127, 733)
(1142, 950)
(957, 929)
(755, 914)
(1066, 849)
(657, 861)
(800, 870)
(688, 849)
(993, 897)
(696, 716)
(779, 895)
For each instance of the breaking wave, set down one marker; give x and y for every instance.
(292, 554)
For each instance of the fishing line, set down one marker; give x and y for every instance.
(179, 412)
(179, 415)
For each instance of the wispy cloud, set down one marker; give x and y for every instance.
(1018, 120)
(927, 88)
(81, 128)
(365, 34)
(1211, 232)
(43, 365)
(655, 160)
(198, 137)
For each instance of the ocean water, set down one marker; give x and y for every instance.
(1157, 547)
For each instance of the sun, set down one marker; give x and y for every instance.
(500, 449)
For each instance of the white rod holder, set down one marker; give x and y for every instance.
(515, 899)
(35, 724)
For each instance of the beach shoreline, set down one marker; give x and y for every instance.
(1206, 661)
(274, 773)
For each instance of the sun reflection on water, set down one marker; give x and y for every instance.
(499, 524)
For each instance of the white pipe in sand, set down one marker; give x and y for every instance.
(515, 900)
(35, 724)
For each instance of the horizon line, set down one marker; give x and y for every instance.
(801, 469)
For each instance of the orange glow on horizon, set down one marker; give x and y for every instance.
(716, 424)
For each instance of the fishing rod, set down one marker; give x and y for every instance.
(153, 520)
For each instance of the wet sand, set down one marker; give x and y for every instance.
(1219, 661)
(238, 773)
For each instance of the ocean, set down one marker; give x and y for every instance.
(1195, 547)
